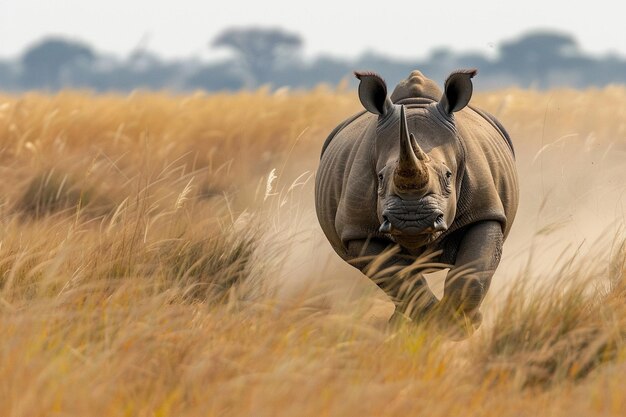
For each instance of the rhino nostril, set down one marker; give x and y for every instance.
(440, 224)
(386, 226)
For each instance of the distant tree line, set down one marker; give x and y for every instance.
(271, 56)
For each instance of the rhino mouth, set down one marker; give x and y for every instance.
(413, 218)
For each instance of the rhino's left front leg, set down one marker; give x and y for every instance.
(478, 256)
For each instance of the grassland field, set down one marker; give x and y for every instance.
(160, 256)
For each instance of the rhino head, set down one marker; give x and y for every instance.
(417, 158)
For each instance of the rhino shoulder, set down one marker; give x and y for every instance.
(496, 125)
(338, 129)
(414, 86)
(489, 185)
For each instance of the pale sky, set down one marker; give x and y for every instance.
(183, 28)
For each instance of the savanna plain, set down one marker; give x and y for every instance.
(160, 256)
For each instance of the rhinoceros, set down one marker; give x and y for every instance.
(420, 173)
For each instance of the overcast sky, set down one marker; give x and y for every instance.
(183, 28)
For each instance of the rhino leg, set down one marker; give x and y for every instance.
(477, 257)
(412, 301)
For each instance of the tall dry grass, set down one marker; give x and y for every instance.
(159, 256)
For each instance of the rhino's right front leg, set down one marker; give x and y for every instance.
(410, 294)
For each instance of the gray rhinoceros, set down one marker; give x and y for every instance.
(416, 173)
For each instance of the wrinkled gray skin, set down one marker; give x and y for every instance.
(426, 172)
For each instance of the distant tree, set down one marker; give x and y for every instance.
(8, 75)
(260, 50)
(536, 46)
(534, 54)
(541, 59)
(215, 77)
(142, 59)
(44, 62)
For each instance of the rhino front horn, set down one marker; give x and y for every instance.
(411, 172)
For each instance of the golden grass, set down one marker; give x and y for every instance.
(151, 265)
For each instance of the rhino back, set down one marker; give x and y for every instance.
(416, 85)
(345, 187)
(338, 129)
(489, 188)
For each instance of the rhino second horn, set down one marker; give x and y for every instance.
(419, 153)
(411, 171)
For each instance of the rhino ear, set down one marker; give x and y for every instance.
(373, 93)
(458, 90)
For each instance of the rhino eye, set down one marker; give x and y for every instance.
(448, 184)
(380, 177)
